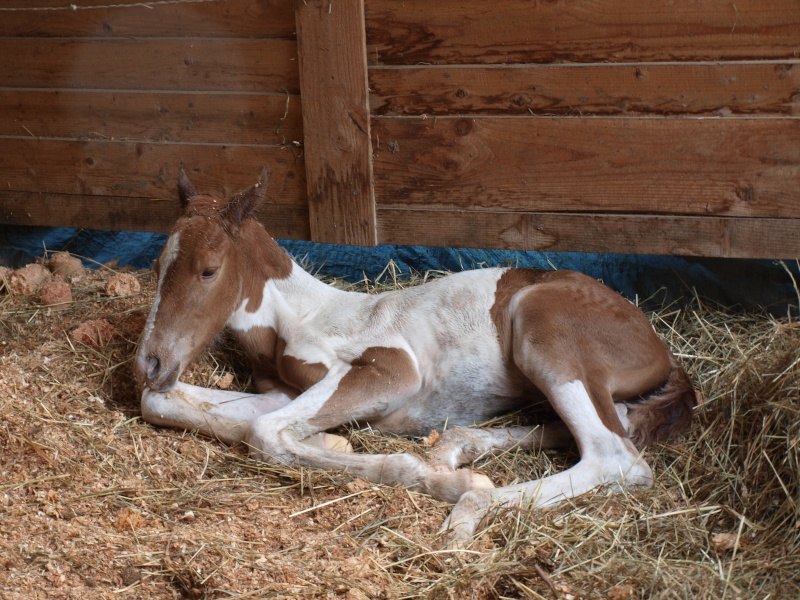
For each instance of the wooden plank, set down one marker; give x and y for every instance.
(148, 116)
(122, 213)
(145, 170)
(607, 89)
(255, 18)
(634, 234)
(336, 124)
(732, 167)
(150, 64)
(521, 31)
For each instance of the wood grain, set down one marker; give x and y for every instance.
(634, 234)
(731, 167)
(150, 64)
(122, 213)
(151, 116)
(254, 18)
(336, 123)
(606, 89)
(521, 31)
(146, 170)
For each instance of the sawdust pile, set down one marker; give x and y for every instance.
(96, 504)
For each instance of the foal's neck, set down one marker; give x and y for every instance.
(273, 284)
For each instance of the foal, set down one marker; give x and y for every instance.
(453, 352)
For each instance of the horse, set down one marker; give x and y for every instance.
(445, 355)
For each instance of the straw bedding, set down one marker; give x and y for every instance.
(94, 503)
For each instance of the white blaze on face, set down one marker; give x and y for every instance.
(167, 258)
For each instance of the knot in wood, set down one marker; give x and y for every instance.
(462, 126)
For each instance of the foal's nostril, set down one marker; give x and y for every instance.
(153, 367)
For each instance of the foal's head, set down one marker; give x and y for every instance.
(200, 280)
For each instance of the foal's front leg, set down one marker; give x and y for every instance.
(219, 414)
(363, 391)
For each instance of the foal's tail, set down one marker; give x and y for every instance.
(666, 412)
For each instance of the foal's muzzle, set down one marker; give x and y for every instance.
(155, 377)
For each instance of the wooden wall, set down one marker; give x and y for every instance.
(99, 107)
(583, 125)
(595, 125)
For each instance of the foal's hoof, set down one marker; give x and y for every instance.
(481, 482)
(329, 441)
(465, 519)
(445, 484)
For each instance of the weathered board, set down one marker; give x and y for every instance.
(590, 31)
(731, 167)
(711, 89)
(254, 18)
(122, 213)
(336, 119)
(680, 236)
(245, 118)
(600, 125)
(150, 64)
(103, 167)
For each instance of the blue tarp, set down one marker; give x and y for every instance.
(730, 282)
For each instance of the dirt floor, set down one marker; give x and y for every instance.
(94, 503)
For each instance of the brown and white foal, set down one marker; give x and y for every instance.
(453, 352)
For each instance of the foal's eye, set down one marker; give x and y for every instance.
(208, 273)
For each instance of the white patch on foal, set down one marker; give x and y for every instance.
(169, 255)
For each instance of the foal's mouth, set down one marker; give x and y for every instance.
(154, 377)
(164, 382)
(161, 387)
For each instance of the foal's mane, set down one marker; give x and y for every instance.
(206, 206)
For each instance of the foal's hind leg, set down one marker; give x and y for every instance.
(464, 445)
(606, 457)
(581, 345)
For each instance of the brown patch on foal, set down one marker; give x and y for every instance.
(581, 330)
(375, 378)
(511, 282)
(259, 344)
(262, 260)
(295, 372)
(258, 257)
(508, 285)
(273, 369)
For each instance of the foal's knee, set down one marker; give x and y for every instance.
(264, 445)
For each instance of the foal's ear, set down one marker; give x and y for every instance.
(186, 190)
(244, 204)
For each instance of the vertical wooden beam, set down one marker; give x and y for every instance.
(331, 41)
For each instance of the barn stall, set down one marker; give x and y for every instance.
(548, 126)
